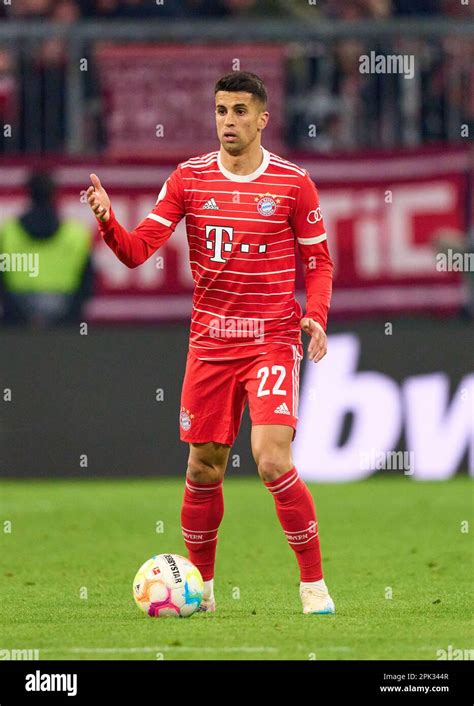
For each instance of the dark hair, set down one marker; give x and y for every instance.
(243, 81)
(40, 186)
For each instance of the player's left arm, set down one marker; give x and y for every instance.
(310, 233)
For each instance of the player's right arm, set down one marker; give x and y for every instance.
(154, 230)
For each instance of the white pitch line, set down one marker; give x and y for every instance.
(167, 648)
(333, 649)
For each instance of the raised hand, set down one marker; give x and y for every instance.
(98, 199)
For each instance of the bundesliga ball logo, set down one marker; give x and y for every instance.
(168, 584)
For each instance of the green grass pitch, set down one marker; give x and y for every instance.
(68, 563)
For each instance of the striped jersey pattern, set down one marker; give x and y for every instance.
(244, 235)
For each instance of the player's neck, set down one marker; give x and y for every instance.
(242, 164)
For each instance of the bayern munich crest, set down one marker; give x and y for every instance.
(185, 419)
(266, 204)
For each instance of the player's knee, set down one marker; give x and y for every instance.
(203, 473)
(207, 462)
(271, 468)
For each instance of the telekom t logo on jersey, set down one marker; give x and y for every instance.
(220, 238)
(218, 244)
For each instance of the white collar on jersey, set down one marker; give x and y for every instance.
(245, 177)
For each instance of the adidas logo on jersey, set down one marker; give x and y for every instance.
(281, 409)
(211, 203)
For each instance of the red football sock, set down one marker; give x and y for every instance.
(201, 515)
(297, 514)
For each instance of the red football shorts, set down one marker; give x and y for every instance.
(215, 393)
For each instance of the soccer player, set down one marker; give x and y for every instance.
(248, 214)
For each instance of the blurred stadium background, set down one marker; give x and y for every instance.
(124, 88)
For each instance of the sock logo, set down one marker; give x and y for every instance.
(190, 535)
(304, 535)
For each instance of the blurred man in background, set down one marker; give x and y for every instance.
(45, 264)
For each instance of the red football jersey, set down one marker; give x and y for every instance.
(244, 233)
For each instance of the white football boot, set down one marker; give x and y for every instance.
(208, 603)
(316, 601)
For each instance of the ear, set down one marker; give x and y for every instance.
(263, 120)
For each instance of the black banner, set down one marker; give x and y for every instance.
(177, 682)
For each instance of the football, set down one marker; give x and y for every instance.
(168, 585)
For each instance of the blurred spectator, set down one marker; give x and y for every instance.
(136, 9)
(379, 9)
(261, 8)
(341, 9)
(8, 101)
(324, 86)
(454, 243)
(44, 85)
(456, 9)
(55, 278)
(416, 7)
(205, 8)
(100, 8)
(30, 9)
(66, 11)
(243, 7)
